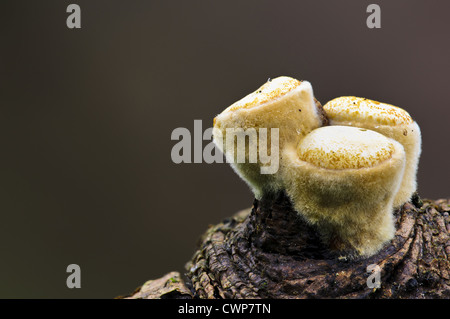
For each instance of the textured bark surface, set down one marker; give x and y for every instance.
(270, 252)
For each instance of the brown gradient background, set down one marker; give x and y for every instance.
(86, 116)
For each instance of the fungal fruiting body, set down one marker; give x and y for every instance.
(284, 105)
(345, 178)
(388, 120)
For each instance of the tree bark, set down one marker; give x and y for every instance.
(269, 251)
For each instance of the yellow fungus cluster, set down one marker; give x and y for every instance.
(345, 178)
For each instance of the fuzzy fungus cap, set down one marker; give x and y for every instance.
(341, 147)
(344, 180)
(284, 104)
(388, 120)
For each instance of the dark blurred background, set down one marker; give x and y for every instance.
(86, 117)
